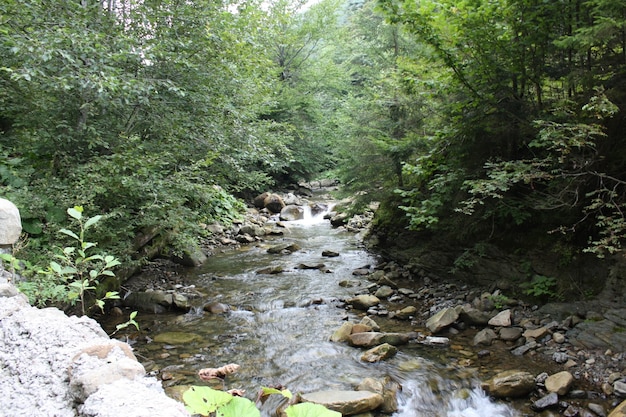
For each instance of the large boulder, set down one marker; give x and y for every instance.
(274, 203)
(345, 402)
(291, 213)
(512, 383)
(10, 223)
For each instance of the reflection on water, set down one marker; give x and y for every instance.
(279, 327)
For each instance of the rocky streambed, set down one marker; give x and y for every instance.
(557, 359)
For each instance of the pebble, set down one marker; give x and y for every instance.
(597, 408)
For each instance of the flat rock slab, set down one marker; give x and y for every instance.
(345, 402)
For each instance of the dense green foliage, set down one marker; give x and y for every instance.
(528, 130)
(154, 113)
(475, 119)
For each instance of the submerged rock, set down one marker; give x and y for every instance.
(512, 383)
(345, 402)
(176, 338)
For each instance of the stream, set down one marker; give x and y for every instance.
(279, 326)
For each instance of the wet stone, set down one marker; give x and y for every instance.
(548, 401)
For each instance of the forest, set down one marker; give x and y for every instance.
(474, 121)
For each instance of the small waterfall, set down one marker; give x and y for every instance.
(314, 213)
(417, 399)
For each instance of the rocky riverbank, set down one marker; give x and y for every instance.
(578, 344)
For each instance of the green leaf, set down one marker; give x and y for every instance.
(285, 393)
(204, 400)
(112, 295)
(69, 233)
(91, 221)
(238, 407)
(132, 315)
(310, 410)
(75, 212)
(55, 267)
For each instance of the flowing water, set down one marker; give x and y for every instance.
(279, 326)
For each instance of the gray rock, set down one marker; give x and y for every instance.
(284, 248)
(291, 213)
(547, 401)
(345, 402)
(10, 222)
(510, 334)
(502, 319)
(485, 337)
(442, 319)
(384, 292)
(597, 409)
(619, 388)
(521, 350)
(474, 317)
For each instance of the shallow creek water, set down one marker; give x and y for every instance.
(279, 327)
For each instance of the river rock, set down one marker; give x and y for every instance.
(364, 301)
(547, 401)
(384, 292)
(342, 334)
(559, 383)
(371, 323)
(330, 254)
(535, 333)
(149, 301)
(271, 270)
(345, 402)
(216, 308)
(442, 319)
(619, 411)
(485, 337)
(285, 248)
(619, 388)
(502, 319)
(395, 339)
(181, 302)
(291, 213)
(511, 383)
(10, 222)
(274, 203)
(406, 313)
(251, 229)
(521, 350)
(387, 388)
(510, 334)
(367, 339)
(379, 353)
(474, 317)
(361, 328)
(310, 266)
(339, 219)
(597, 409)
